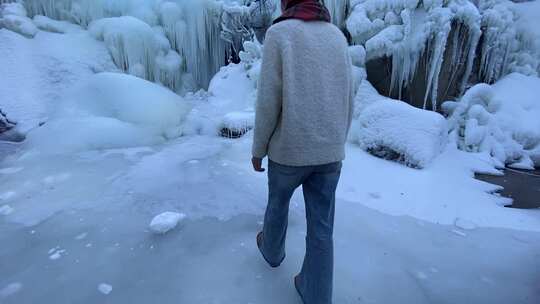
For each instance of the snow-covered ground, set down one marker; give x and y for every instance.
(74, 226)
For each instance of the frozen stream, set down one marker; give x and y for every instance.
(379, 259)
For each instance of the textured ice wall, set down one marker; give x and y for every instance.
(465, 40)
(469, 40)
(202, 35)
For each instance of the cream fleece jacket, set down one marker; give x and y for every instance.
(305, 94)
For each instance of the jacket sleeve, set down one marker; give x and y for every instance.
(269, 96)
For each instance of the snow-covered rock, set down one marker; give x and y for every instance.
(501, 119)
(395, 130)
(236, 124)
(112, 110)
(166, 221)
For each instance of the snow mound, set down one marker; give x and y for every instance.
(165, 222)
(112, 110)
(501, 119)
(395, 130)
(53, 26)
(13, 17)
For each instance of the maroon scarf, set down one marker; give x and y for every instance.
(307, 10)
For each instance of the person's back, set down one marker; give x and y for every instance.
(310, 70)
(303, 113)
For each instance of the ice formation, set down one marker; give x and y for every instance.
(204, 35)
(192, 38)
(409, 31)
(445, 36)
(500, 119)
(228, 106)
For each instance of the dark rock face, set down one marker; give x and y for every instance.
(379, 73)
(5, 123)
(233, 133)
(7, 129)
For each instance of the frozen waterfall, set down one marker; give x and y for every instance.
(433, 50)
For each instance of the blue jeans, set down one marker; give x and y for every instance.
(319, 186)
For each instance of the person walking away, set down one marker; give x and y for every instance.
(303, 114)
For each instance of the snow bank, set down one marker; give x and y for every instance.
(502, 120)
(165, 222)
(13, 17)
(54, 26)
(395, 130)
(110, 111)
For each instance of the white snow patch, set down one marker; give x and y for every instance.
(166, 221)
(6, 210)
(458, 232)
(105, 288)
(11, 170)
(56, 253)
(81, 236)
(10, 290)
(465, 224)
(53, 179)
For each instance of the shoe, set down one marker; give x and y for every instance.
(259, 245)
(297, 286)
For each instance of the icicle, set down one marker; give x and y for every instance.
(338, 11)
